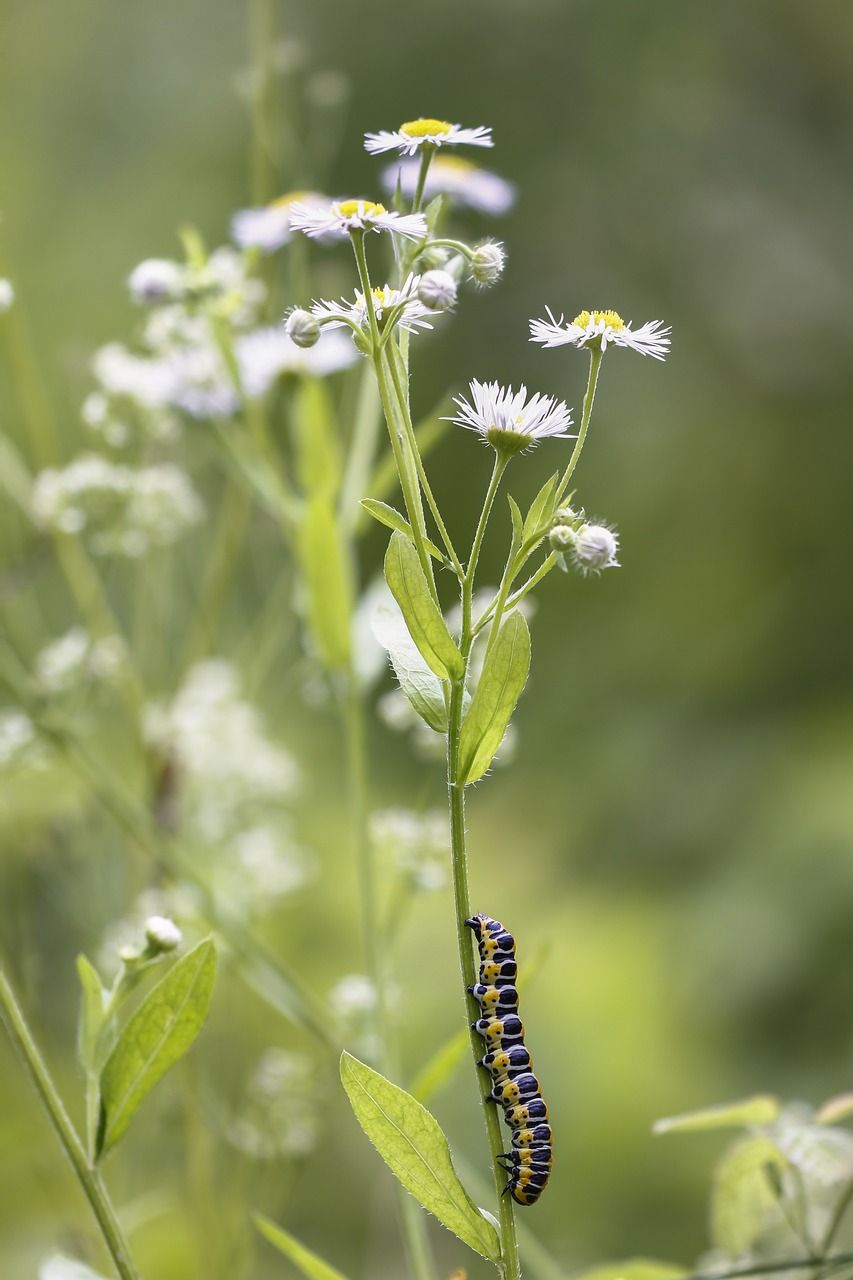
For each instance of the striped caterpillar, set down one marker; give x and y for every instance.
(515, 1087)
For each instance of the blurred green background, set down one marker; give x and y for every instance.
(678, 822)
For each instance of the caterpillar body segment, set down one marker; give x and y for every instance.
(514, 1086)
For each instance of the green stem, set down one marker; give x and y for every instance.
(427, 153)
(595, 356)
(362, 450)
(509, 1266)
(89, 1179)
(468, 582)
(262, 33)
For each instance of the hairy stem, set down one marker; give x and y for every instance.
(595, 356)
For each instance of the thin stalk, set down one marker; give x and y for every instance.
(509, 1265)
(843, 1204)
(595, 356)
(262, 33)
(427, 153)
(468, 583)
(88, 1177)
(362, 450)
(509, 602)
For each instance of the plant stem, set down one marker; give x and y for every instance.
(595, 357)
(509, 1266)
(262, 32)
(89, 1179)
(468, 582)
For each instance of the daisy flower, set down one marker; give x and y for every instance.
(396, 306)
(508, 421)
(344, 216)
(600, 328)
(418, 133)
(269, 228)
(463, 182)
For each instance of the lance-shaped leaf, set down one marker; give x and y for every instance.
(541, 508)
(391, 518)
(314, 431)
(414, 1147)
(154, 1038)
(422, 688)
(409, 587)
(744, 1198)
(633, 1269)
(499, 688)
(328, 582)
(761, 1108)
(311, 1266)
(91, 1013)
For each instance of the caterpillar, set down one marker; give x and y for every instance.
(514, 1086)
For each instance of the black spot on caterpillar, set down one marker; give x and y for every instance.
(515, 1087)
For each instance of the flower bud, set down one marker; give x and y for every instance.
(302, 328)
(162, 934)
(595, 548)
(487, 263)
(562, 537)
(156, 280)
(7, 296)
(437, 290)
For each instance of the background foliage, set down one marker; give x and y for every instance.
(678, 822)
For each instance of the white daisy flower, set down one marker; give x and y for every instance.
(344, 216)
(269, 228)
(400, 307)
(462, 181)
(418, 133)
(600, 328)
(508, 421)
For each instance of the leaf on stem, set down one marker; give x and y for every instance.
(154, 1038)
(91, 1014)
(414, 1147)
(541, 508)
(761, 1108)
(328, 582)
(517, 522)
(391, 518)
(499, 688)
(744, 1198)
(420, 685)
(317, 452)
(308, 1263)
(409, 587)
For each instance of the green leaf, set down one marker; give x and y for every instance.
(427, 627)
(413, 1146)
(440, 1066)
(432, 212)
(822, 1153)
(761, 1108)
(318, 460)
(307, 1262)
(743, 1199)
(504, 676)
(517, 522)
(834, 1109)
(541, 508)
(422, 688)
(633, 1269)
(328, 582)
(391, 518)
(15, 476)
(154, 1038)
(91, 1014)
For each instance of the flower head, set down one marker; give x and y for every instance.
(390, 306)
(508, 421)
(344, 216)
(418, 133)
(465, 183)
(487, 263)
(598, 329)
(157, 280)
(269, 227)
(595, 547)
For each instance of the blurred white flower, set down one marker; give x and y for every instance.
(465, 183)
(418, 844)
(19, 743)
(344, 216)
(414, 134)
(7, 296)
(265, 354)
(162, 933)
(353, 998)
(280, 1115)
(601, 329)
(151, 382)
(269, 228)
(76, 657)
(157, 280)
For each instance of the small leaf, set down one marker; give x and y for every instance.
(91, 1014)
(761, 1108)
(422, 688)
(822, 1153)
(432, 212)
(307, 1262)
(633, 1269)
(440, 1066)
(834, 1109)
(154, 1038)
(391, 518)
(541, 508)
(427, 627)
(328, 582)
(414, 1147)
(517, 522)
(499, 688)
(743, 1198)
(318, 462)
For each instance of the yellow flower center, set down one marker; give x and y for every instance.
(349, 207)
(425, 128)
(454, 164)
(611, 318)
(292, 197)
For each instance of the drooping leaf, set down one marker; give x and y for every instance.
(819, 1151)
(327, 576)
(504, 675)
(440, 1066)
(91, 1013)
(409, 587)
(633, 1269)
(744, 1199)
(311, 1266)
(391, 518)
(316, 448)
(414, 1147)
(154, 1038)
(541, 508)
(422, 688)
(761, 1108)
(835, 1109)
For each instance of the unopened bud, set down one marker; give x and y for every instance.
(156, 280)
(302, 328)
(562, 537)
(487, 263)
(595, 548)
(437, 290)
(162, 934)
